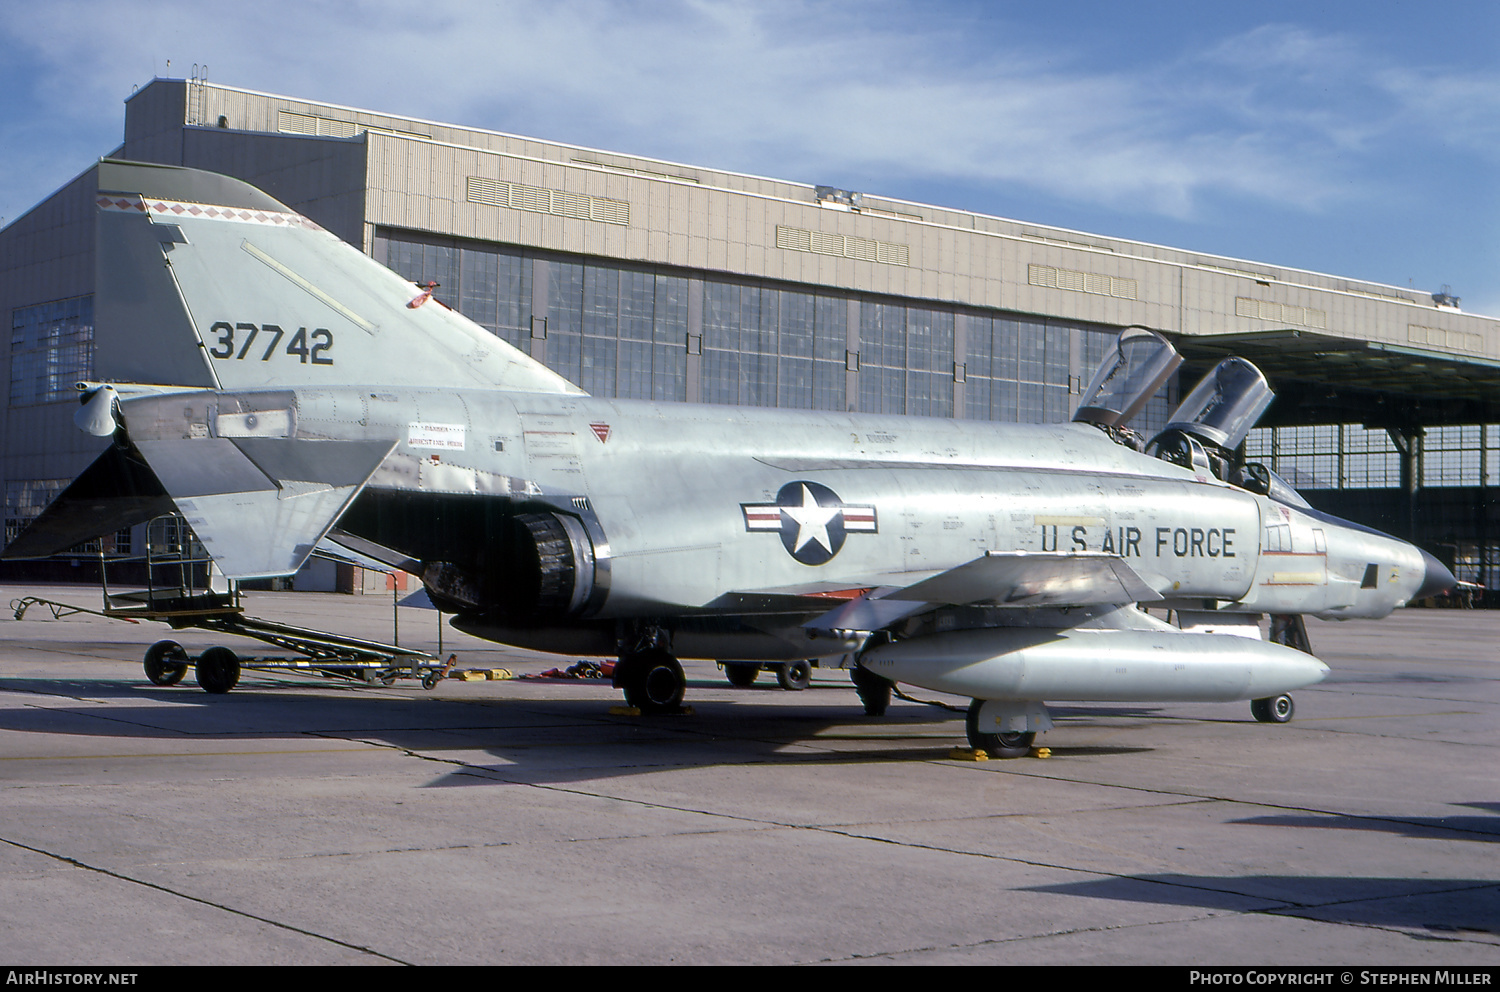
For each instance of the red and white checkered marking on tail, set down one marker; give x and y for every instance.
(206, 211)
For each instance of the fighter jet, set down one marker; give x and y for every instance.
(292, 396)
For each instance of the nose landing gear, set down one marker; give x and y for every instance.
(1276, 709)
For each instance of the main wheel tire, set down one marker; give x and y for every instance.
(166, 663)
(874, 690)
(1012, 745)
(1275, 709)
(653, 681)
(742, 674)
(794, 676)
(218, 670)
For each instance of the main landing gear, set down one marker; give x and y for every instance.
(793, 676)
(652, 679)
(874, 690)
(1011, 745)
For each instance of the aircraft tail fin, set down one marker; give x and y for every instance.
(204, 280)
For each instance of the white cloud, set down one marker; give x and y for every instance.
(799, 90)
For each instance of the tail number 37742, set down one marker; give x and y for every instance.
(260, 341)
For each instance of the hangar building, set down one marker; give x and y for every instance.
(648, 279)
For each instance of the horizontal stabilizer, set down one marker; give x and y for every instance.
(118, 490)
(1019, 578)
(261, 505)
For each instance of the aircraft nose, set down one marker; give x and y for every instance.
(1437, 579)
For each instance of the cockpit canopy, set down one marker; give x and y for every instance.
(1141, 363)
(1207, 426)
(1224, 405)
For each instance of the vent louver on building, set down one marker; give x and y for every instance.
(1082, 282)
(289, 122)
(1437, 337)
(539, 199)
(842, 245)
(1280, 313)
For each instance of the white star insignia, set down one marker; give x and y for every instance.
(812, 521)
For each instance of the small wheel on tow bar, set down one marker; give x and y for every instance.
(874, 690)
(741, 673)
(794, 676)
(1275, 709)
(653, 681)
(166, 663)
(1013, 745)
(218, 670)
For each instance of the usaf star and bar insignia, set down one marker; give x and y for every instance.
(811, 519)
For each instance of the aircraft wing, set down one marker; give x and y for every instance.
(1009, 578)
(1019, 578)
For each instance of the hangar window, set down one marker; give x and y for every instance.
(487, 284)
(1371, 460)
(625, 330)
(1328, 456)
(764, 346)
(26, 498)
(1021, 370)
(905, 360)
(24, 501)
(1306, 457)
(1458, 456)
(51, 348)
(617, 331)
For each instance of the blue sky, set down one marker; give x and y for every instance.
(1361, 139)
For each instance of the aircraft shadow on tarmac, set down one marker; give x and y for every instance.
(1475, 828)
(553, 740)
(1445, 907)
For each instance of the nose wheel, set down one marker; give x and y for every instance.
(1276, 709)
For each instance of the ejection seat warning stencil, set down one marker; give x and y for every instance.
(444, 437)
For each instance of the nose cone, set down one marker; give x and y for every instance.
(1437, 578)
